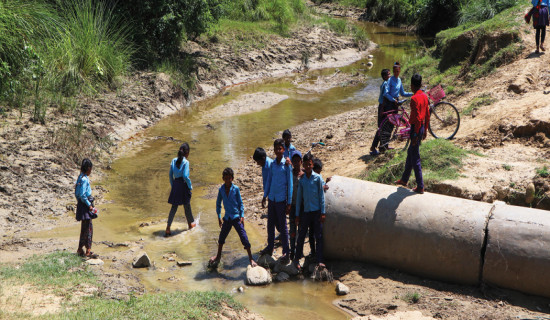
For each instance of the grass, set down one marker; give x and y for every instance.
(60, 269)
(178, 305)
(479, 101)
(411, 297)
(507, 167)
(441, 160)
(543, 172)
(63, 271)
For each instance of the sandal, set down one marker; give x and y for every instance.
(92, 255)
(213, 263)
(374, 152)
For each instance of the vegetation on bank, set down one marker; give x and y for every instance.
(64, 274)
(441, 160)
(428, 16)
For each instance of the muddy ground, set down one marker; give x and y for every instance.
(37, 168)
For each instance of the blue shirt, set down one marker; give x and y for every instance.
(288, 151)
(310, 191)
(279, 182)
(394, 88)
(265, 170)
(83, 190)
(181, 172)
(382, 91)
(542, 3)
(232, 203)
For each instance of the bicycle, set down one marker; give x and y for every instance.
(313, 144)
(444, 120)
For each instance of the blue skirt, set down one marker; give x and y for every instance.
(543, 17)
(180, 193)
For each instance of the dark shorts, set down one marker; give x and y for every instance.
(180, 193)
(239, 227)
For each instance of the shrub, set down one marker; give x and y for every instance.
(437, 15)
(481, 10)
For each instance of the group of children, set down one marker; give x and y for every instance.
(292, 186)
(419, 119)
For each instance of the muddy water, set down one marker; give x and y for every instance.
(139, 186)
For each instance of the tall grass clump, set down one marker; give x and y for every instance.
(441, 160)
(481, 10)
(23, 26)
(91, 47)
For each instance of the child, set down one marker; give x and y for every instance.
(279, 192)
(234, 216)
(317, 168)
(310, 191)
(540, 21)
(419, 120)
(297, 173)
(85, 210)
(385, 76)
(181, 188)
(289, 148)
(264, 162)
(393, 89)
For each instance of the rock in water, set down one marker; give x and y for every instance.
(95, 262)
(142, 261)
(266, 261)
(342, 289)
(257, 276)
(184, 263)
(369, 64)
(282, 277)
(370, 56)
(290, 269)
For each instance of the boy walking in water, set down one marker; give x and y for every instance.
(419, 120)
(279, 193)
(311, 193)
(230, 195)
(380, 116)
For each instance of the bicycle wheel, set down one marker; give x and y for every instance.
(444, 120)
(387, 132)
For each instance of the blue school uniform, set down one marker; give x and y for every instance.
(394, 88)
(288, 151)
(180, 182)
(265, 171)
(234, 211)
(83, 194)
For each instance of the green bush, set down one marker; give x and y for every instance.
(437, 15)
(481, 10)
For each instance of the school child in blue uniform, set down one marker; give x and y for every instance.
(279, 193)
(311, 193)
(289, 148)
(380, 115)
(262, 160)
(181, 188)
(297, 172)
(85, 209)
(230, 195)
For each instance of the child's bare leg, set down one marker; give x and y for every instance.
(252, 262)
(216, 259)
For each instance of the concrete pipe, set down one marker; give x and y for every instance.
(518, 249)
(430, 235)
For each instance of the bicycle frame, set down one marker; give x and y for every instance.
(400, 119)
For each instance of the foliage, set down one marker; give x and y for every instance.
(61, 268)
(543, 172)
(441, 160)
(436, 15)
(481, 10)
(178, 305)
(482, 100)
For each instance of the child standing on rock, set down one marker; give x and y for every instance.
(289, 148)
(181, 188)
(311, 193)
(419, 119)
(297, 173)
(85, 210)
(262, 160)
(279, 192)
(230, 195)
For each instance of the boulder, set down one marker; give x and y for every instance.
(141, 261)
(290, 269)
(282, 277)
(95, 262)
(257, 276)
(184, 263)
(342, 289)
(266, 261)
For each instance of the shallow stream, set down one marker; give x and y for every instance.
(138, 185)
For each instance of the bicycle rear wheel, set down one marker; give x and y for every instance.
(387, 132)
(444, 120)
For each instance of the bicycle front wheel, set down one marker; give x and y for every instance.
(444, 120)
(387, 133)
